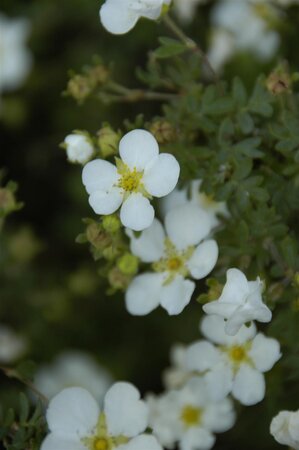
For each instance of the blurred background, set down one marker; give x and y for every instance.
(50, 291)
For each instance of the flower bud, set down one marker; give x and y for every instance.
(79, 87)
(98, 74)
(118, 280)
(128, 264)
(79, 148)
(111, 223)
(163, 131)
(279, 81)
(97, 236)
(108, 141)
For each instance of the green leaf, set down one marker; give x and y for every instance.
(169, 47)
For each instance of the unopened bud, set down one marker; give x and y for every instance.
(111, 223)
(163, 131)
(108, 141)
(128, 264)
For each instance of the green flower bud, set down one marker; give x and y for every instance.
(108, 141)
(128, 264)
(111, 223)
(97, 236)
(98, 74)
(163, 131)
(118, 280)
(79, 87)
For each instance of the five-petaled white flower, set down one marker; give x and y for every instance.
(15, 58)
(189, 416)
(285, 428)
(76, 422)
(73, 369)
(141, 174)
(175, 256)
(235, 364)
(192, 194)
(240, 302)
(120, 16)
(79, 148)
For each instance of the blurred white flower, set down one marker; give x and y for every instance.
(73, 369)
(186, 9)
(285, 428)
(15, 58)
(221, 48)
(244, 21)
(191, 194)
(141, 174)
(240, 302)
(189, 416)
(12, 346)
(235, 364)
(175, 256)
(79, 148)
(120, 16)
(177, 374)
(76, 422)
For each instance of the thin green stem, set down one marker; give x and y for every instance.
(190, 44)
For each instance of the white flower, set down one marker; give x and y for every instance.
(175, 256)
(141, 174)
(186, 9)
(78, 147)
(15, 59)
(73, 369)
(76, 422)
(189, 416)
(177, 374)
(240, 302)
(120, 16)
(235, 364)
(222, 47)
(247, 27)
(285, 428)
(191, 194)
(12, 346)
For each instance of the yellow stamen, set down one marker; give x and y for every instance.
(130, 180)
(174, 263)
(191, 416)
(100, 444)
(237, 354)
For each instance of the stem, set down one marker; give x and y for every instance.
(136, 95)
(190, 44)
(11, 373)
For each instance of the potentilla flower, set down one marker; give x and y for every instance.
(240, 302)
(73, 369)
(76, 422)
(79, 148)
(140, 174)
(176, 375)
(12, 346)
(120, 16)
(285, 428)
(192, 194)
(189, 417)
(180, 253)
(15, 59)
(233, 364)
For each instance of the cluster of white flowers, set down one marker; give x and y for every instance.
(76, 421)
(73, 369)
(239, 26)
(285, 428)
(15, 58)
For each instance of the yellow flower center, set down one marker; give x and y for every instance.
(130, 181)
(191, 416)
(237, 354)
(101, 444)
(207, 201)
(174, 263)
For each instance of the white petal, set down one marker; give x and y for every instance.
(197, 439)
(149, 246)
(137, 213)
(236, 287)
(143, 294)
(294, 427)
(161, 176)
(72, 413)
(177, 197)
(141, 442)
(264, 352)
(245, 314)
(116, 17)
(213, 328)
(280, 429)
(53, 442)
(201, 356)
(220, 417)
(187, 225)
(222, 309)
(99, 175)
(105, 202)
(204, 259)
(138, 148)
(219, 381)
(126, 414)
(176, 295)
(249, 386)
